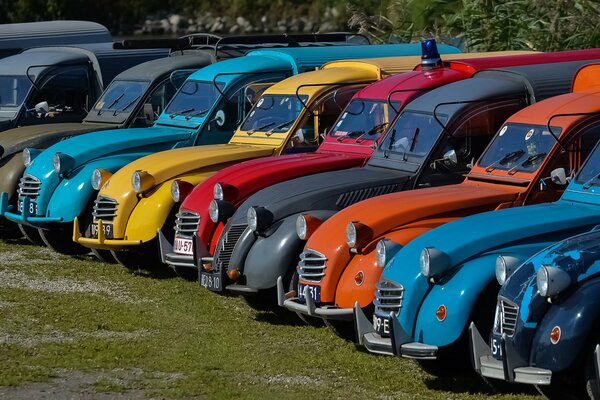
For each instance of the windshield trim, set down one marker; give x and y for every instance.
(199, 118)
(267, 132)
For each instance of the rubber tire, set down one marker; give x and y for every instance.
(561, 388)
(187, 273)
(264, 300)
(342, 328)
(104, 256)
(592, 385)
(61, 240)
(31, 234)
(9, 229)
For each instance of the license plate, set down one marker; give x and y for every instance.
(106, 228)
(32, 207)
(210, 281)
(183, 246)
(313, 290)
(381, 325)
(496, 347)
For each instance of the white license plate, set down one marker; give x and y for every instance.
(381, 325)
(183, 246)
(32, 207)
(496, 348)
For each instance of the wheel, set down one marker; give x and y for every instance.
(9, 229)
(144, 257)
(104, 256)
(343, 329)
(264, 300)
(60, 239)
(563, 387)
(31, 234)
(592, 385)
(187, 273)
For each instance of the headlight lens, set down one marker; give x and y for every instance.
(29, 155)
(425, 261)
(301, 227)
(136, 181)
(252, 219)
(501, 270)
(351, 234)
(542, 281)
(218, 192)
(96, 179)
(213, 211)
(380, 251)
(175, 192)
(551, 281)
(56, 162)
(434, 262)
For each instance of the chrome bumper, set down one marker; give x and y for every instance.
(510, 368)
(310, 308)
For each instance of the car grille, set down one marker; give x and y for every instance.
(105, 208)
(186, 223)
(312, 266)
(29, 186)
(227, 242)
(388, 296)
(507, 313)
(355, 196)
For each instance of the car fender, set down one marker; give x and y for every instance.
(348, 291)
(11, 170)
(577, 316)
(74, 193)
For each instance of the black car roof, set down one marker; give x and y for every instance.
(151, 70)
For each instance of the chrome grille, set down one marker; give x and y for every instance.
(186, 223)
(509, 312)
(29, 186)
(388, 296)
(105, 208)
(355, 196)
(311, 266)
(227, 242)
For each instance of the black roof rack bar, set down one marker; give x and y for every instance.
(581, 114)
(393, 92)
(214, 81)
(173, 44)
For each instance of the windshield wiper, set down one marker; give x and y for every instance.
(386, 153)
(260, 128)
(115, 101)
(280, 126)
(126, 106)
(530, 160)
(195, 114)
(181, 112)
(351, 135)
(588, 183)
(513, 155)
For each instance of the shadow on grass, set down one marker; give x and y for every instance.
(473, 384)
(280, 318)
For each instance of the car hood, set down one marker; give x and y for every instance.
(39, 136)
(332, 190)
(170, 164)
(95, 145)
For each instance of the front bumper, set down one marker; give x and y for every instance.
(25, 218)
(101, 242)
(169, 257)
(310, 308)
(511, 368)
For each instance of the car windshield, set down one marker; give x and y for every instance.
(121, 96)
(274, 113)
(590, 172)
(194, 99)
(413, 134)
(13, 90)
(519, 148)
(364, 120)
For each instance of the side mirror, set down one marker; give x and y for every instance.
(41, 108)
(559, 176)
(449, 159)
(219, 118)
(148, 113)
(299, 136)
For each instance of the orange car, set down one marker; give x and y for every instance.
(527, 162)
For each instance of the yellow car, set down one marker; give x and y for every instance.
(289, 117)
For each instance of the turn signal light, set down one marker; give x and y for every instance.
(207, 267)
(359, 278)
(555, 335)
(440, 313)
(233, 274)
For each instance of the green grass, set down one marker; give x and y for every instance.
(167, 337)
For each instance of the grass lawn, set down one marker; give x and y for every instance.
(75, 327)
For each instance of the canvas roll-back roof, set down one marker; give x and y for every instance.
(587, 79)
(19, 63)
(151, 70)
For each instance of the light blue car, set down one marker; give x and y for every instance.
(208, 107)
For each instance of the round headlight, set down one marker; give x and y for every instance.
(380, 251)
(542, 281)
(96, 179)
(27, 157)
(252, 219)
(56, 162)
(301, 227)
(213, 211)
(136, 181)
(218, 191)
(425, 261)
(501, 270)
(175, 192)
(351, 234)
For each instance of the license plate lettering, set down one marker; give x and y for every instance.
(496, 347)
(183, 246)
(32, 208)
(381, 325)
(211, 282)
(313, 291)
(106, 229)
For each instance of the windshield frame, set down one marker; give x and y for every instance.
(268, 130)
(167, 114)
(346, 139)
(119, 110)
(25, 97)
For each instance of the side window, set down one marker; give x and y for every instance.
(66, 91)
(155, 103)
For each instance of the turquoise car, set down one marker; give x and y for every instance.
(208, 107)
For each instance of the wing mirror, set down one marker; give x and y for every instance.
(219, 118)
(449, 159)
(559, 176)
(299, 136)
